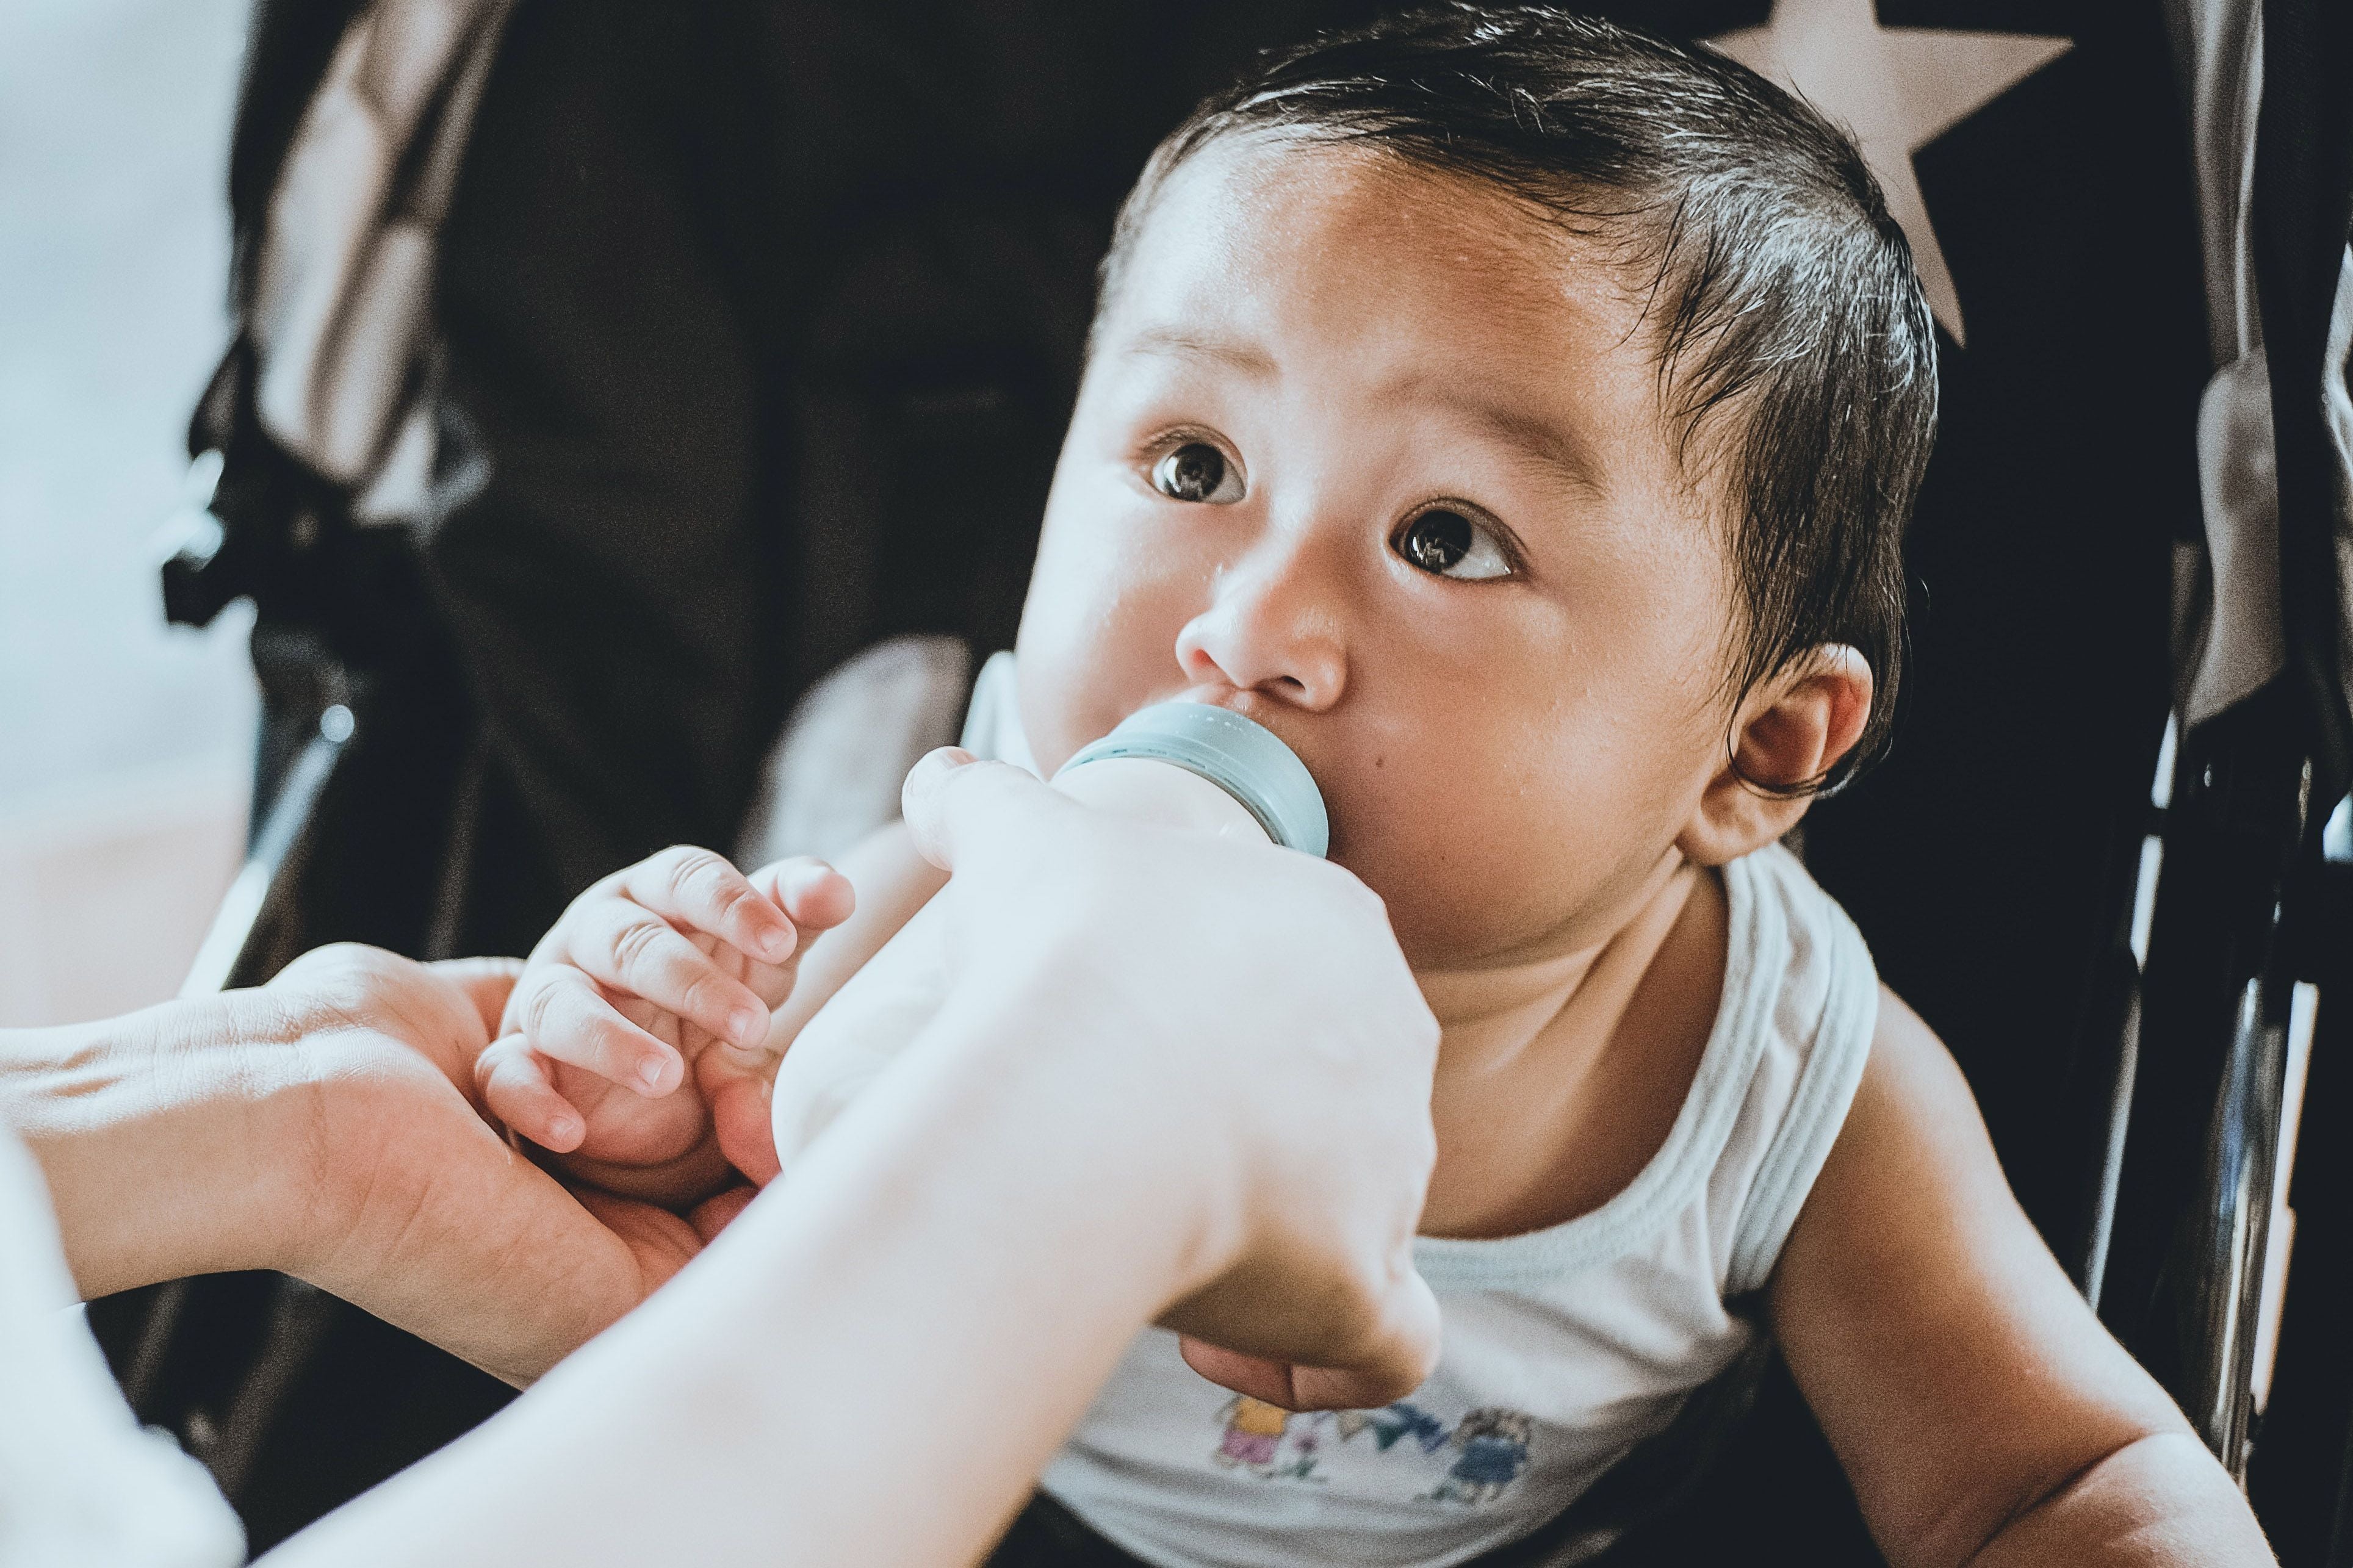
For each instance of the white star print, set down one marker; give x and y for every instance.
(1897, 90)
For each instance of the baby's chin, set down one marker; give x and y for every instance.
(1501, 914)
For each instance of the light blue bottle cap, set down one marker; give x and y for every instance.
(1244, 758)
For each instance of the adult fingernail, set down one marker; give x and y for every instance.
(746, 1027)
(775, 946)
(650, 1069)
(564, 1130)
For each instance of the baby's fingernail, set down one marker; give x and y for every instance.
(746, 1027)
(564, 1130)
(775, 946)
(650, 1069)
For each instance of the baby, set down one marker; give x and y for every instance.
(1519, 416)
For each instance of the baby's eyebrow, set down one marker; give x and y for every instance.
(1532, 434)
(1246, 357)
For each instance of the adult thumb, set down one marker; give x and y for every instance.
(485, 982)
(953, 801)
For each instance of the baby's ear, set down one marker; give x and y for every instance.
(1789, 732)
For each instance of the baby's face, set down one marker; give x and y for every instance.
(1376, 458)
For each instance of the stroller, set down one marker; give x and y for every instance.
(802, 437)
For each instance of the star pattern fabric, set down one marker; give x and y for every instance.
(1895, 90)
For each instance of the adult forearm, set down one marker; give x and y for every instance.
(936, 1293)
(319, 1126)
(2160, 1502)
(162, 1149)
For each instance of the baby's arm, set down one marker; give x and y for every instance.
(1982, 1412)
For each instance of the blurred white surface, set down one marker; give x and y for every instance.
(124, 744)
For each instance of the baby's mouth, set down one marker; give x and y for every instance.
(1255, 706)
(1289, 727)
(1218, 694)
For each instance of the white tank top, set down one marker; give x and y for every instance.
(1564, 1348)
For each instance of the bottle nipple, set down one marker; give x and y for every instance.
(1241, 756)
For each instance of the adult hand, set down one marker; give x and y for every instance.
(1174, 1077)
(322, 1125)
(1261, 1052)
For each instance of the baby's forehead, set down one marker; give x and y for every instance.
(1262, 257)
(1266, 235)
(1244, 197)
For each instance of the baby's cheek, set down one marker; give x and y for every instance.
(1099, 631)
(1077, 692)
(1477, 859)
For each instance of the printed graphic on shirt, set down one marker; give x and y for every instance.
(1474, 1462)
(1254, 1434)
(1391, 1425)
(1494, 1444)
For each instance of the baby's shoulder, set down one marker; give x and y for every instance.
(1799, 1014)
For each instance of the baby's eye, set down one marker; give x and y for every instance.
(1197, 471)
(1449, 544)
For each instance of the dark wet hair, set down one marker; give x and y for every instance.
(1781, 293)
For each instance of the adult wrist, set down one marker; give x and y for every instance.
(163, 1138)
(1106, 1146)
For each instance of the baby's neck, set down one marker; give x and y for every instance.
(1559, 1075)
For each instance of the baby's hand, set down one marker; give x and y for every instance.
(667, 969)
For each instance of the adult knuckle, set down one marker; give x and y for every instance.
(1359, 1306)
(346, 954)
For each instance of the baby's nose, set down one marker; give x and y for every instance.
(1273, 629)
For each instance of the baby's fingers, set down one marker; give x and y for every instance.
(699, 891)
(566, 1018)
(817, 898)
(515, 1085)
(638, 953)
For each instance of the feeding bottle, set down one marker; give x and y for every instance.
(1180, 765)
